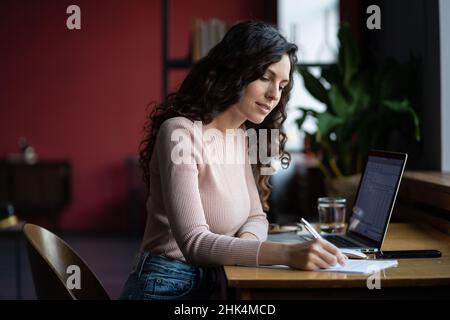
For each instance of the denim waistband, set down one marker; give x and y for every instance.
(147, 258)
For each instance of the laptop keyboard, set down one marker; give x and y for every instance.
(306, 238)
(338, 241)
(341, 242)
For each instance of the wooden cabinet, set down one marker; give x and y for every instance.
(41, 187)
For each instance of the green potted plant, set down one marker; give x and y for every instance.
(364, 106)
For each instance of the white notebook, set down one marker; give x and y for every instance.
(355, 266)
(362, 266)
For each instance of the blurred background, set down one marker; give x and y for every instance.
(73, 105)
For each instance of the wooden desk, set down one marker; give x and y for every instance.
(412, 278)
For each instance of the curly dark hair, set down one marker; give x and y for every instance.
(218, 80)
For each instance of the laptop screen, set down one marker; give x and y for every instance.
(375, 198)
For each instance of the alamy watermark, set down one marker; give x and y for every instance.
(73, 281)
(374, 20)
(74, 20)
(374, 280)
(211, 146)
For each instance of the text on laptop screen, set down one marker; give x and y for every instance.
(376, 193)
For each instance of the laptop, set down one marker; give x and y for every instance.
(374, 203)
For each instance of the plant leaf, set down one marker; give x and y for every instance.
(331, 75)
(416, 125)
(301, 120)
(348, 59)
(313, 85)
(308, 110)
(404, 106)
(337, 102)
(360, 98)
(397, 106)
(327, 122)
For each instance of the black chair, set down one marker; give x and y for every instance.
(50, 257)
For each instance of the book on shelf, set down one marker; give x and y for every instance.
(206, 34)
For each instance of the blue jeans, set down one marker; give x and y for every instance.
(156, 277)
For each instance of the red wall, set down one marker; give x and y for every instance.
(81, 94)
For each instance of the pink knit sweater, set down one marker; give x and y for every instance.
(197, 211)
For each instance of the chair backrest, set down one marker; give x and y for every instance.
(51, 259)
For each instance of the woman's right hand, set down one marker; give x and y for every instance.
(313, 255)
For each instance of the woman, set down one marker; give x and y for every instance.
(203, 214)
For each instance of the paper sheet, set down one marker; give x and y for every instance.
(354, 266)
(362, 266)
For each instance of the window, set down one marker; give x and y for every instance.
(313, 26)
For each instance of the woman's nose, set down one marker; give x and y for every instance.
(272, 93)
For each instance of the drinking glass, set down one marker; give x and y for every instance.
(331, 214)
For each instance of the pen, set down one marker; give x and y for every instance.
(314, 233)
(311, 230)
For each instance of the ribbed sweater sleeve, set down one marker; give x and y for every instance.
(183, 205)
(256, 223)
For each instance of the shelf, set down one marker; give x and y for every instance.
(428, 187)
(424, 198)
(185, 63)
(179, 64)
(318, 64)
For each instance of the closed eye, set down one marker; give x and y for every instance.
(265, 79)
